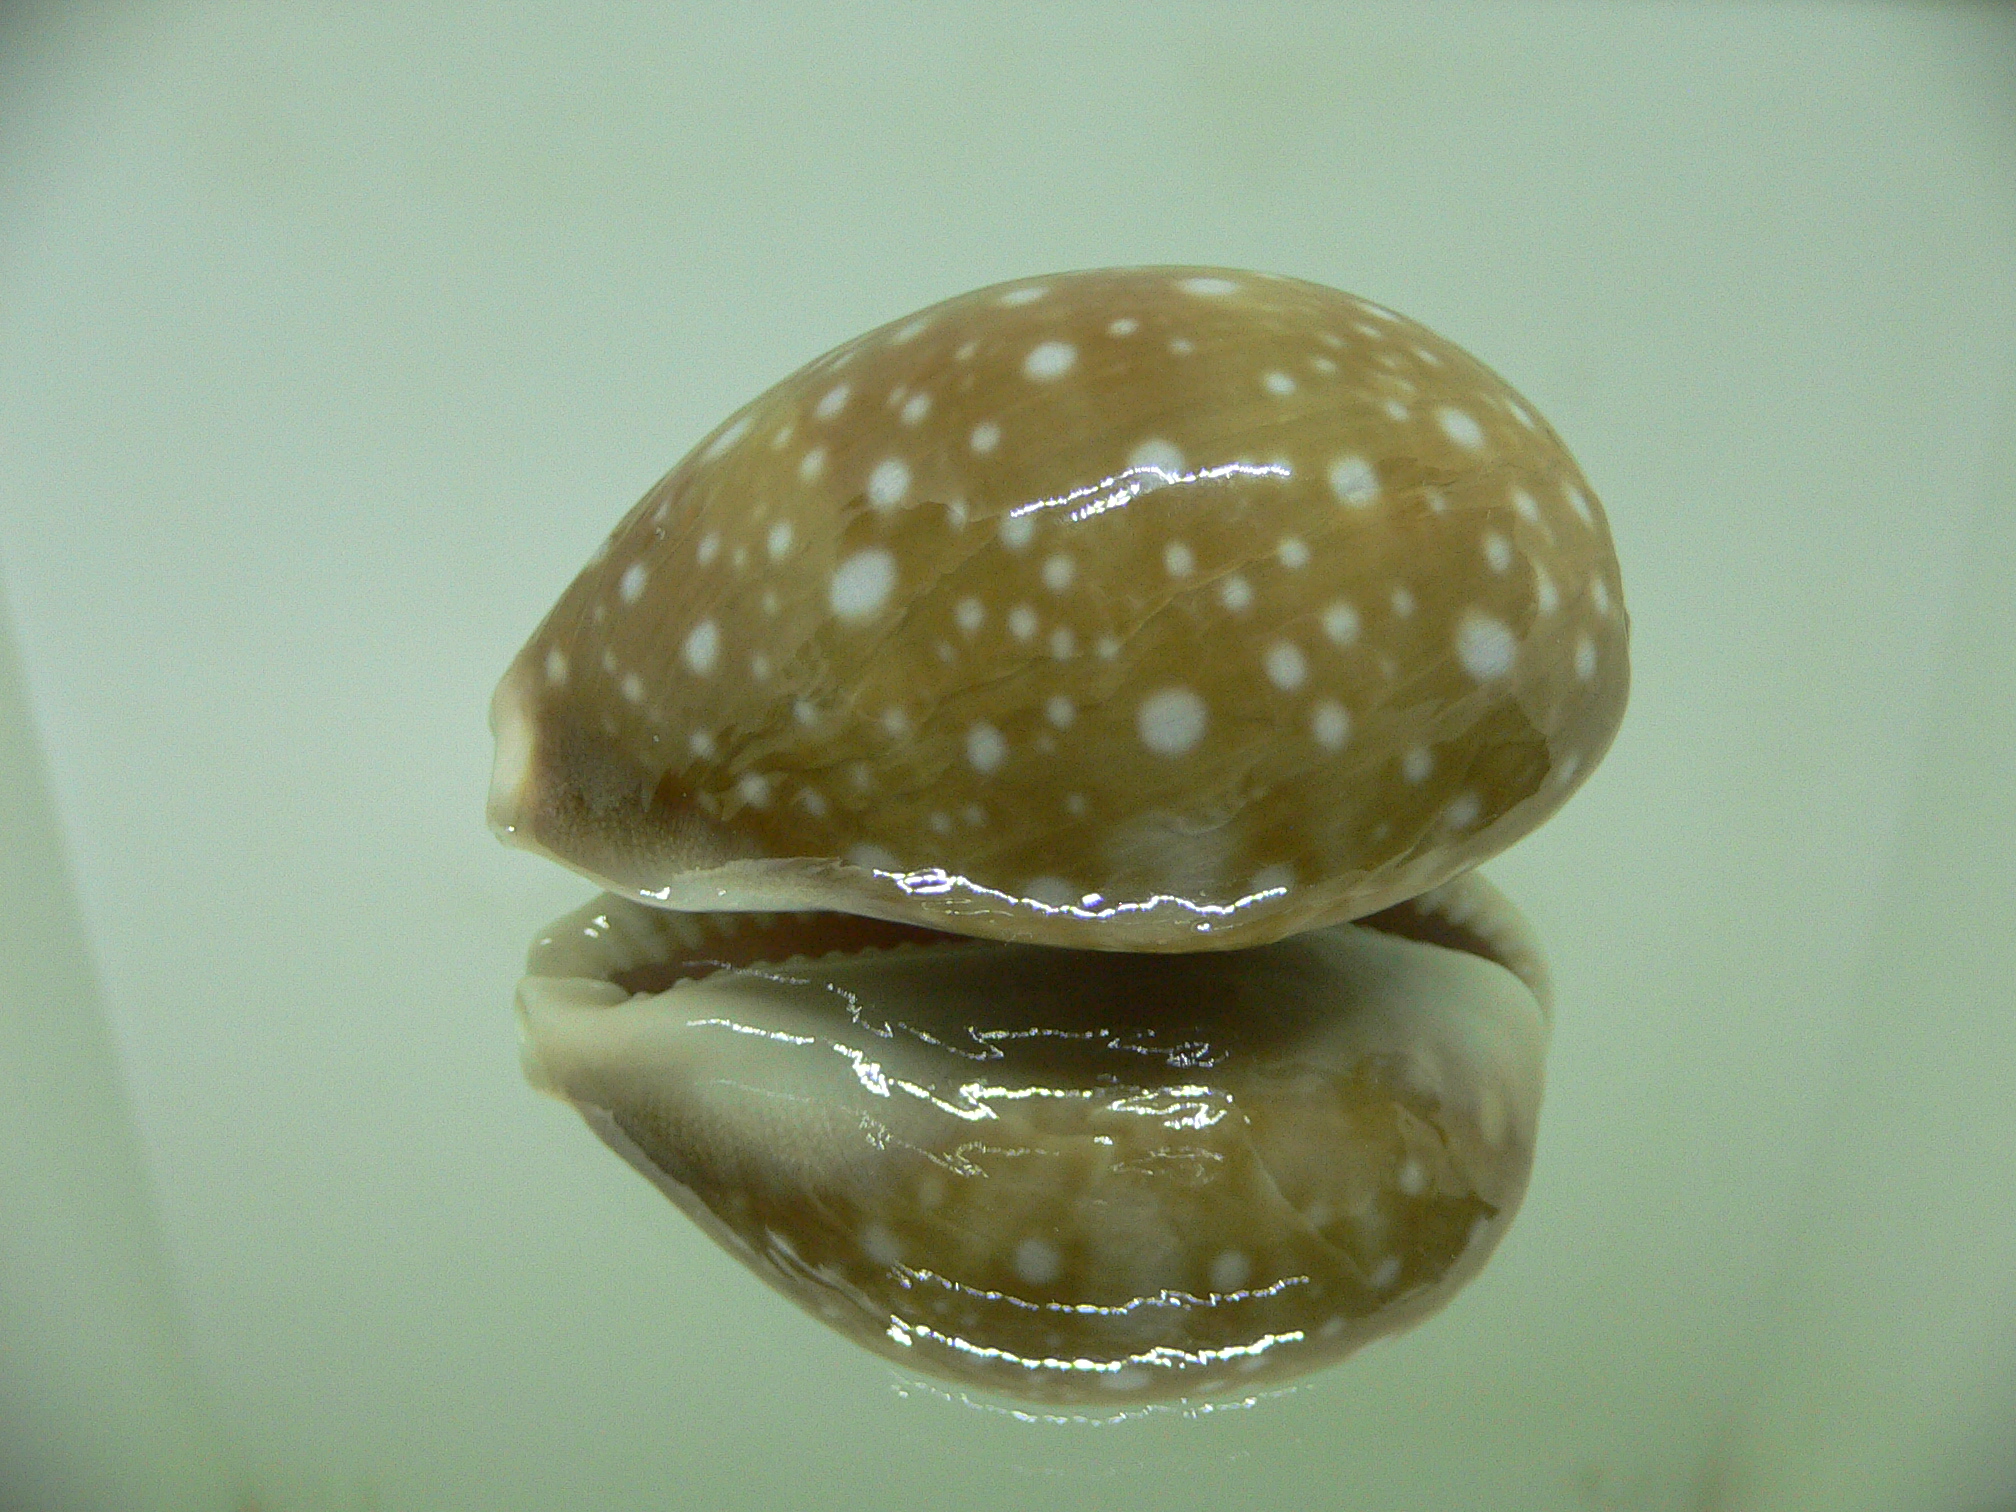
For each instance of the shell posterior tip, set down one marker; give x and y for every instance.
(511, 767)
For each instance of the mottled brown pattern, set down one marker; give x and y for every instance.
(1370, 634)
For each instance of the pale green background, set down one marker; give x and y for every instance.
(332, 338)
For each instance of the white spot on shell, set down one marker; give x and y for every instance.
(1417, 764)
(1462, 811)
(1207, 287)
(1037, 1261)
(630, 587)
(1384, 1274)
(1402, 601)
(779, 540)
(1579, 502)
(633, 687)
(831, 402)
(1235, 593)
(556, 667)
(726, 439)
(909, 331)
(986, 436)
(1058, 572)
(702, 647)
(1060, 711)
(1459, 426)
(1158, 456)
(1269, 879)
(1286, 666)
(1171, 721)
(888, 483)
(1329, 724)
(1017, 531)
(1353, 481)
(1484, 646)
(812, 464)
(1497, 551)
(1022, 621)
(1340, 622)
(1178, 560)
(861, 585)
(985, 748)
(1049, 360)
(1229, 1270)
(754, 788)
(1027, 294)
(1126, 325)
(1292, 552)
(1585, 658)
(915, 408)
(709, 548)
(1277, 383)
(881, 1246)
(1599, 594)
(701, 744)
(969, 614)
(1063, 644)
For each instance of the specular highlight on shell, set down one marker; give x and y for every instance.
(1074, 1177)
(1149, 609)
(989, 737)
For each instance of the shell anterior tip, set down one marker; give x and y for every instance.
(511, 768)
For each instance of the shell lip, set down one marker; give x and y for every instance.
(655, 946)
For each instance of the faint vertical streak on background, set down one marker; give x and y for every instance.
(1888, 1376)
(100, 1404)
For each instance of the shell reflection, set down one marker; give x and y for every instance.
(1069, 1176)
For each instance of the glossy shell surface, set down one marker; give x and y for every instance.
(1091, 1179)
(1161, 609)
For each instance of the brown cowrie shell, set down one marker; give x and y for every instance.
(1155, 609)
(1037, 754)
